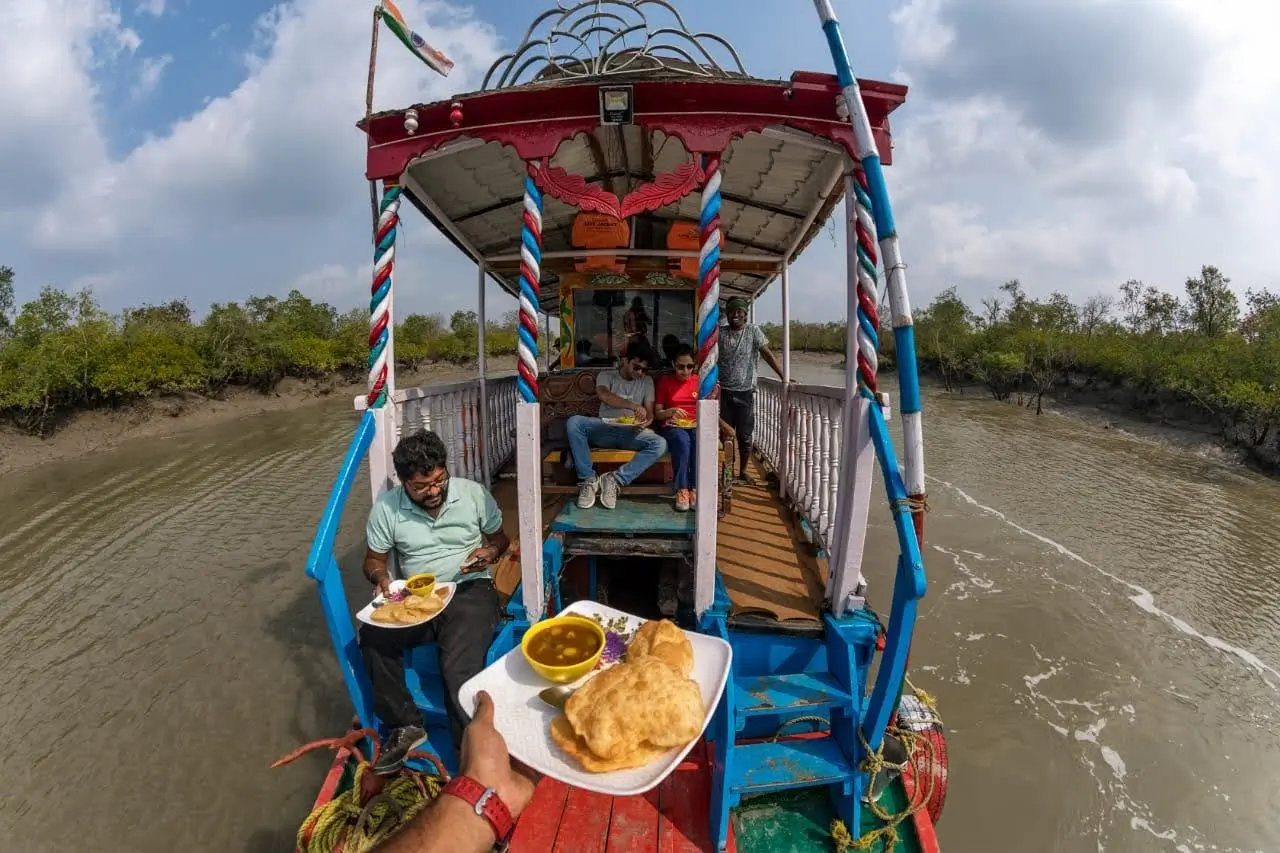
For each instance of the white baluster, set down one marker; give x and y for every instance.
(822, 468)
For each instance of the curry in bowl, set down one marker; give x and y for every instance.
(564, 648)
(421, 584)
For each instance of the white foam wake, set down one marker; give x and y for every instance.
(1140, 596)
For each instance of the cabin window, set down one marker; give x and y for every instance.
(604, 320)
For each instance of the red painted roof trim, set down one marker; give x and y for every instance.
(706, 114)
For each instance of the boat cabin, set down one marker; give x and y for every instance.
(627, 189)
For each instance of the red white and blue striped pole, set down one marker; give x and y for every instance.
(384, 261)
(709, 282)
(530, 288)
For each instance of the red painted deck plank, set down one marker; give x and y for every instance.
(585, 824)
(634, 826)
(540, 822)
(672, 818)
(683, 798)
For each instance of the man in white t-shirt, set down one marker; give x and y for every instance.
(624, 393)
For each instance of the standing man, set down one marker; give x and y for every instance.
(451, 528)
(742, 345)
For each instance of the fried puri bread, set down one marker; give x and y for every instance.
(415, 608)
(662, 639)
(563, 736)
(631, 704)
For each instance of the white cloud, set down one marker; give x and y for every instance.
(1105, 141)
(255, 187)
(151, 7)
(153, 68)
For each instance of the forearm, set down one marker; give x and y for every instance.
(375, 567)
(611, 399)
(499, 542)
(448, 825)
(772, 360)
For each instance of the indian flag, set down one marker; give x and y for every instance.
(439, 63)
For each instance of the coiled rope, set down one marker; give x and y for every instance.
(920, 757)
(373, 808)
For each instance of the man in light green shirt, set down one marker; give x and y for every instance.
(449, 527)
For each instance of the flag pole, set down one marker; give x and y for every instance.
(373, 61)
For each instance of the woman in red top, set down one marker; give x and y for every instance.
(675, 407)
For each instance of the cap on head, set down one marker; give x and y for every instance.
(737, 303)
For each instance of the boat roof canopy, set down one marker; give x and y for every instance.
(784, 145)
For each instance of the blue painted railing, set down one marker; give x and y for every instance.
(910, 582)
(322, 566)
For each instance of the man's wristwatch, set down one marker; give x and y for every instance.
(487, 804)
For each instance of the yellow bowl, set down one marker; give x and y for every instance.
(572, 672)
(421, 584)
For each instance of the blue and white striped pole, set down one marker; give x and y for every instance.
(906, 499)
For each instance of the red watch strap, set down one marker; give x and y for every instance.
(486, 803)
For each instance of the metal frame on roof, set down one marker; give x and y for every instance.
(557, 45)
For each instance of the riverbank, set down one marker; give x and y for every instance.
(1163, 416)
(160, 416)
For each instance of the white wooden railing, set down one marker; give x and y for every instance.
(809, 463)
(454, 412)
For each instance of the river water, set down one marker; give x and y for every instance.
(1101, 629)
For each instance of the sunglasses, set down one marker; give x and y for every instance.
(684, 367)
(428, 488)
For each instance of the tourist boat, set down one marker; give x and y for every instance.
(615, 156)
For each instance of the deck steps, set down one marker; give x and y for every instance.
(761, 768)
(797, 693)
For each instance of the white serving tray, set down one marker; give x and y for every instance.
(524, 720)
(365, 614)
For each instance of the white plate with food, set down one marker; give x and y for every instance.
(659, 683)
(626, 421)
(405, 610)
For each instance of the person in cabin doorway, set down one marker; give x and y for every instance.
(676, 409)
(625, 393)
(449, 527)
(635, 322)
(742, 345)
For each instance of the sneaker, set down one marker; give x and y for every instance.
(682, 500)
(587, 493)
(668, 600)
(609, 488)
(397, 747)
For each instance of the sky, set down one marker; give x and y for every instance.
(172, 149)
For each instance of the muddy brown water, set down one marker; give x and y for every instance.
(1101, 629)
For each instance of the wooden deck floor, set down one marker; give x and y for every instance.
(671, 818)
(768, 566)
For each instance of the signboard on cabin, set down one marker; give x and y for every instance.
(593, 230)
(684, 236)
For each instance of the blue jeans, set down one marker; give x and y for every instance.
(683, 444)
(585, 433)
